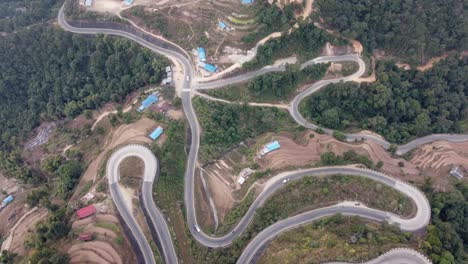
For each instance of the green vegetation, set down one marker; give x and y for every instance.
(447, 235)
(18, 14)
(8, 257)
(154, 20)
(349, 157)
(305, 41)
(172, 158)
(400, 105)
(337, 238)
(315, 192)
(60, 76)
(55, 227)
(108, 225)
(271, 19)
(226, 125)
(413, 30)
(272, 86)
(241, 21)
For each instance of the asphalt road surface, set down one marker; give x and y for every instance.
(418, 222)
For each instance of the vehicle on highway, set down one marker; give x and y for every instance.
(187, 78)
(286, 180)
(357, 204)
(197, 228)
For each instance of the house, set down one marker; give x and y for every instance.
(88, 197)
(88, 3)
(168, 69)
(86, 211)
(270, 147)
(163, 108)
(241, 180)
(128, 2)
(457, 172)
(156, 133)
(246, 172)
(210, 67)
(222, 25)
(147, 102)
(85, 237)
(247, 1)
(201, 54)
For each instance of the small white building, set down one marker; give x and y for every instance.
(88, 197)
(457, 172)
(241, 180)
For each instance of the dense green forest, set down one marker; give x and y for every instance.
(447, 236)
(272, 86)
(226, 125)
(271, 18)
(413, 30)
(400, 105)
(306, 42)
(60, 76)
(17, 14)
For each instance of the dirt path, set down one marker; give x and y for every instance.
(106, 113)
(369, 79)
(135, 132)
(21, 230)
(431, 62)
(211, 98)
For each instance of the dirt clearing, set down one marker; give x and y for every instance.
(24, 229)
(135, 132)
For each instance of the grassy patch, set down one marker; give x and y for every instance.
(336, 238)
(236, 214)
(86, 188)
(107, 225)
(241, 21)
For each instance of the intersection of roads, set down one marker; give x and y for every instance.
(156, 219)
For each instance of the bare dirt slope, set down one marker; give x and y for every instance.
(432, 160)
(135, 132)
(24, 229)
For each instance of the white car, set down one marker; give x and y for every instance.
(286, 180)
(187, 78)
(197, 228)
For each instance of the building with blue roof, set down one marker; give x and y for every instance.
(270, 147)
(222, 25)
(201, 54)
(247, 1)
(147, 102)
(156, 133)
(128, 2)
(210, 67)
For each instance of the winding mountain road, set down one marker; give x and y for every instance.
(253, 249)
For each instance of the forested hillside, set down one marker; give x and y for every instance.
(16, 14)
(400, 105)
(448, 232)
(412, 30)
(49, 74)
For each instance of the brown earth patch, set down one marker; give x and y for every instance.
(25, 229)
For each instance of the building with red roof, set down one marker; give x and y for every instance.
(85, 237)
(86, 211)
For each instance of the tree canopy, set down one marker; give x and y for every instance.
(48, 74)
(414, 30)
(17, 14)
(400, 104)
